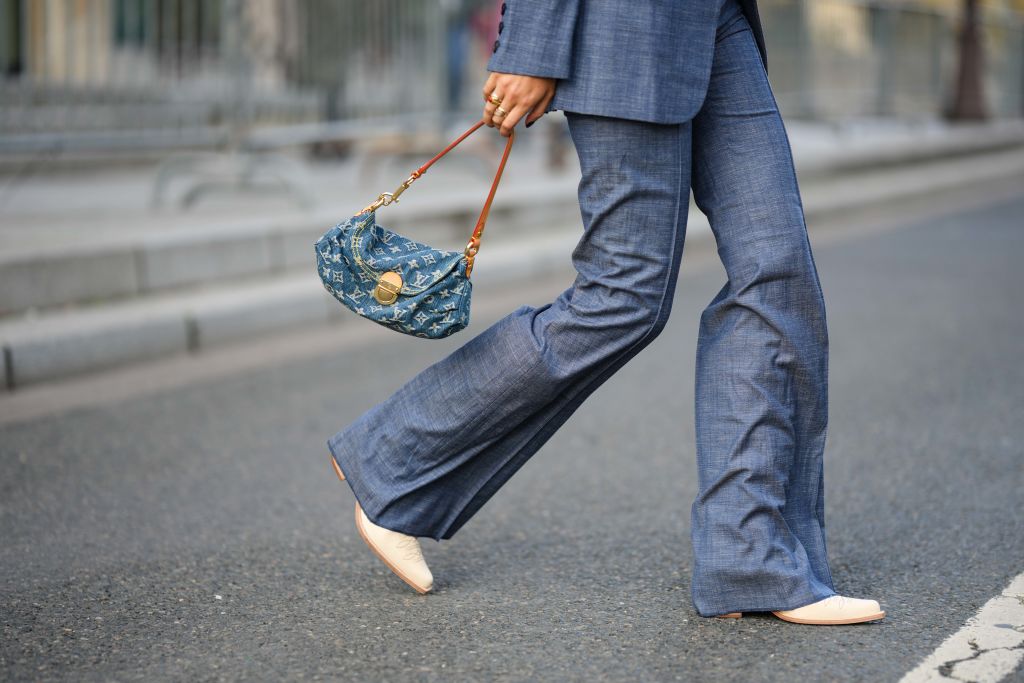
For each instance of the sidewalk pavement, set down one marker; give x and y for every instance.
(91, 277)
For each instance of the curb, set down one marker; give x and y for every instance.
(58, 345)
(149, 264)
(930, 143)
(145, 265)
(65, 345)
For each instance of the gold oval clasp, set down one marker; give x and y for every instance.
(388, 286)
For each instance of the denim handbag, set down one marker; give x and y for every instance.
(395, 281)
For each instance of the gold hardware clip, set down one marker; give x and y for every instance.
(386, 198)
(389, 286)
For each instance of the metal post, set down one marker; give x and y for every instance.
(882, 29)
(806, 82)
(969, 100)
(238, 72)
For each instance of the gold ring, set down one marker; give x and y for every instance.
(500, 112)
(494, 99)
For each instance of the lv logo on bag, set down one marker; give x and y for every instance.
(419, 290)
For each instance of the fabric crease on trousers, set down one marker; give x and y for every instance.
(427, 458)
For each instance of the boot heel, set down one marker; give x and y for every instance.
(730, 615)
(337, 470)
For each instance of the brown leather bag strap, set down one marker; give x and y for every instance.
(474, 241)
(473, 246)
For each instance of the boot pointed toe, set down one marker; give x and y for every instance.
(400, 552)
(834, 610)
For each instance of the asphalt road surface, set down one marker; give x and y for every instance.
(181, 521)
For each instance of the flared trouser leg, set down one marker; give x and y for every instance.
(762, 356)
(425, 459)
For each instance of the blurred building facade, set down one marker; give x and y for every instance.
(75, 67)
(846, 58)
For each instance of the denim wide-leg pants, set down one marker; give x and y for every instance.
(426, 459)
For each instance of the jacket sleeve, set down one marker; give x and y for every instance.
(536, 38)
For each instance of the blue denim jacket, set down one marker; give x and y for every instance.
(648, 60)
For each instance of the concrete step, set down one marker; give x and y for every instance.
(56, 344)
(49, 345)
(139, 265)
(82, 261)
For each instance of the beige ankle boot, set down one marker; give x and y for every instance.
(837, 609)
(400, 552)
(830, 611)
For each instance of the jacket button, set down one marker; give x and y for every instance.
(496, 44)
(503, 7)
(501, 25)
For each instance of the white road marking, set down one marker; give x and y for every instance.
(986, 649)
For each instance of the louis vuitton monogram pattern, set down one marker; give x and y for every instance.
(434, 300)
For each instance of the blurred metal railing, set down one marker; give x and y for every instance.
(82, 73)
(124, 73)
(112, 75)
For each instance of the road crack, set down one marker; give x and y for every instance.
(946, 669)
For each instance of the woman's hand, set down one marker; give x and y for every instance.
(519, 95)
